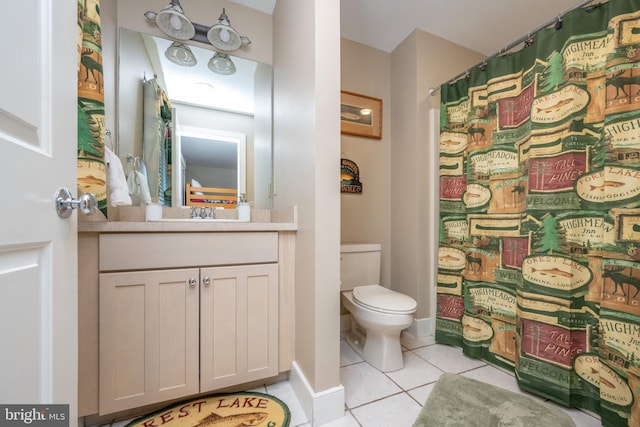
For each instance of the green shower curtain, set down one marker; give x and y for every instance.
(539, 247)
(91, 129)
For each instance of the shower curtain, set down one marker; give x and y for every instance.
(539, 246)
(91, 129)
(157, 140)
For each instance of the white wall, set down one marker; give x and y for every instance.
(263, 136)
(306, 63)
(212, 177)
(135, 67)
(365, 217)
(421, 61)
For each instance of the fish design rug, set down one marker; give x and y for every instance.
(460, 401)
(221, 410)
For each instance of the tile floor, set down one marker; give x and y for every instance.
(375, 399)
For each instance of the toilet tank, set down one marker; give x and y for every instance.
(359, 265)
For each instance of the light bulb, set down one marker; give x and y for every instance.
(175, 22)
(224, 35)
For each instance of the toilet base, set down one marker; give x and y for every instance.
(382, 351)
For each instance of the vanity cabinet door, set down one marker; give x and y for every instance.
(238, 324)
(148, 337)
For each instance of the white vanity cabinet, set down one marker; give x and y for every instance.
(238, 325)
(149, 337)
(185, 313)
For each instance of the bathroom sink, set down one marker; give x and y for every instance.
(199, 220)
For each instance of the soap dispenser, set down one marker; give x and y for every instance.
(244, 209)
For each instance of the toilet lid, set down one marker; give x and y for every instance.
(382, 299)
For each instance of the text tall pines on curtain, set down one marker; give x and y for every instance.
(539, 257)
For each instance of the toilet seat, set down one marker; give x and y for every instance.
(383, 300)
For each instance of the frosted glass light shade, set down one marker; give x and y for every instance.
(223, 36)
(220, 63)
(179, 53)
(173, 22)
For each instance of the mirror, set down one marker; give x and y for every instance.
(221, 123)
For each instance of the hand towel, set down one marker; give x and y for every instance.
(138, 188)
(117, 188)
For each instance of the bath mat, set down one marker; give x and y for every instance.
(221, 410)
(460, 401)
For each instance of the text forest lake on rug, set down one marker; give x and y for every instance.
(221, 410)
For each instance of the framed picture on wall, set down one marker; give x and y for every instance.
(360, 115)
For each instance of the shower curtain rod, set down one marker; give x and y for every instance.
(434, 90)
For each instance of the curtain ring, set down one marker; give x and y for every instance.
(529, 40)
(558, 22)
(107, 133)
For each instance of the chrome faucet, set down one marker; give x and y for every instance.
(203, 213)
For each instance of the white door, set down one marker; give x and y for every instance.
(38, 250)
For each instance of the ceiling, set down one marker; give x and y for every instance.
(485, 26)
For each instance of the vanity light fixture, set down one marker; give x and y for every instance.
(179, 53)
(174, 23)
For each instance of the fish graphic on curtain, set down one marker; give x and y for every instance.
(91, 129)
(539, 246)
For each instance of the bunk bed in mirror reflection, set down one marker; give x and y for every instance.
(211, 197)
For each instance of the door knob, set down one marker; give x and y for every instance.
(193, 282)
(65, 203)
(206, 280)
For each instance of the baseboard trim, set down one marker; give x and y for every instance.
(422, 328)
(322, 407)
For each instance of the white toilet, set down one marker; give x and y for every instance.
(378, 314)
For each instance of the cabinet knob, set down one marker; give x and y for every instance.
(193, 281)
(206, 280)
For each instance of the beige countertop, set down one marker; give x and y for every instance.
(131, 220)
